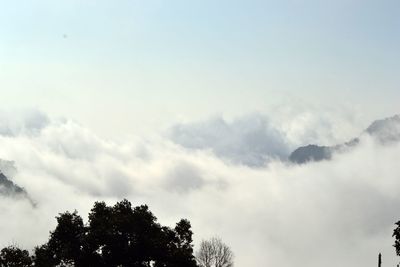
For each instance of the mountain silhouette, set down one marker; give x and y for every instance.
(7, 187)
(384, 131)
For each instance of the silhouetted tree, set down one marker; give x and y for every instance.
(396, 235)
(44, 257)
(13, 256)
(117, 236)
(99, 234)
(380, 260)
(182, 253)
(214, 253)
(66, 241)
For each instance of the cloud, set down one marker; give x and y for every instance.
(184, 178)
(22, 122)
(333, 213)
(8, 168)
(250, 140)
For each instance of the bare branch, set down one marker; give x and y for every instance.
(214, 253)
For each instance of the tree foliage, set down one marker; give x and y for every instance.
(13, 256)
(396, 235)
(119, 235)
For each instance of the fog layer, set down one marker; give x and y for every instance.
(332, 213)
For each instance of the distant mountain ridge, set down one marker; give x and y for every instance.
(8, 188)
(385, 131)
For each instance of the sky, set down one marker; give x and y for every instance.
(193, 108)
(155, 62)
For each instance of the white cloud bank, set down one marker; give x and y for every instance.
(333, 213)
(250, 140)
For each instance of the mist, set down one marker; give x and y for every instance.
(328, 213)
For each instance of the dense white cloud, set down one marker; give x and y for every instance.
(250, 140)
(22, 122)
(307, 122)
(333, 213)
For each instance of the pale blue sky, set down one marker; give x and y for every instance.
(151, 63)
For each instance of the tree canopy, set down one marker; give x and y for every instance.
(119, 235)
(396, 235)
(13, 256)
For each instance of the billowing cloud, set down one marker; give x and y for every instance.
(184, 178)
(8, 168)
(251, 140)
(332, 213)
(22, 122)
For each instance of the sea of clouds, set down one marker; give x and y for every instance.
(230, 178)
